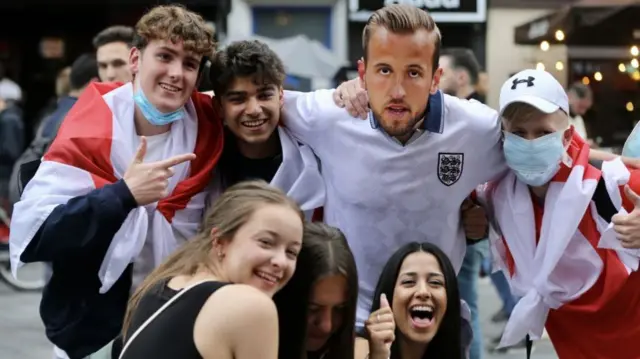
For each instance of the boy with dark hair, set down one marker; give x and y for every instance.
(247, 78)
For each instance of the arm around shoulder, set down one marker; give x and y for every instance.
(307, 113)
(237, 321)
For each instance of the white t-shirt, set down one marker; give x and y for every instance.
(382, 194)
(143, 264)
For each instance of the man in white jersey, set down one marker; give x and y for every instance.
(402, 175)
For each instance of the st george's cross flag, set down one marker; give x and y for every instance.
(554, 259)
(94, 147)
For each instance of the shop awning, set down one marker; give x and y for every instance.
(573, 20)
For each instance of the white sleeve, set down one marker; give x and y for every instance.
(488, 132)
(307, 114)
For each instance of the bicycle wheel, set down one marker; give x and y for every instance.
(18, 284)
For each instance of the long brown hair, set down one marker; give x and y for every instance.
(324, 253)
(227, 214)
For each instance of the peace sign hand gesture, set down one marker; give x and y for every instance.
(149, 182)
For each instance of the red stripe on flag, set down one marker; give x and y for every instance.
(208, 150)
(85, 136)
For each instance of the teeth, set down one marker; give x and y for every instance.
(268, 277)
(422, 308)
(170, 88)
(254, 123)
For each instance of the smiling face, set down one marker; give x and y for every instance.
(264, 251)
(419, 298)
(251, 110)
(166, 73)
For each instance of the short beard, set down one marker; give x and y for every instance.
(408, 129)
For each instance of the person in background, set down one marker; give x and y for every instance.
(322, 319)
(11, 140)
(580, 101)
(213, 295)
(482, 87)
(84, 71)
(113, 46)
(460, 73)
(9, 89)
(416, 308)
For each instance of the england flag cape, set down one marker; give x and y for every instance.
(563, 264)
(298, 175)
(94, 147)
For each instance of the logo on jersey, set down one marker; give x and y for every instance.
(450, 167)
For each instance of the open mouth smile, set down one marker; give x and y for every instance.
(421, 316)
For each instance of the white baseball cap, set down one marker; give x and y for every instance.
(536, 88)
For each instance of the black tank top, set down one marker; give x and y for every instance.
(170, 334)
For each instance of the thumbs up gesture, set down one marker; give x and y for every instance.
(149, 182)
(381, 327)
(627, 226)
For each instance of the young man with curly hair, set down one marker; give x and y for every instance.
(123, 184)
(247, 78)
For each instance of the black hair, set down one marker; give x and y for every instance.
(447, 343)
(117, 33)
(462, 58)
(245, 59)
(83, 70)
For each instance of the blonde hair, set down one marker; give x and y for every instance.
(402, 19)
(175, 23)
(521, 112)
(228, 214)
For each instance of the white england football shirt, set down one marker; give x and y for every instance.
(382, 194)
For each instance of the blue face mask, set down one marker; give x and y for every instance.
(632, 145)
(534, 162)
(152, 114)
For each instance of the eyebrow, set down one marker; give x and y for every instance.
(244, 93)
(175, 53)
(276, 235)
(235, 93)
(431, 274)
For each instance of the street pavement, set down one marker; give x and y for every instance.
(22, 334)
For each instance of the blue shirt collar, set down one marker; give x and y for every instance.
(434, 118)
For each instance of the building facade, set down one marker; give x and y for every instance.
(321, 20)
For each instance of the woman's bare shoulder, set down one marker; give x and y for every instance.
(233, 316)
